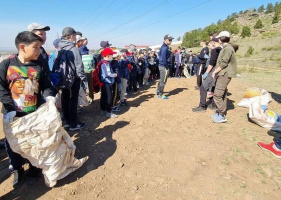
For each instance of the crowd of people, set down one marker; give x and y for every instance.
(32, 77)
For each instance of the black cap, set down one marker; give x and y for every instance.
(104, 44)
(78, 33)
(168, 37)
(68, 31)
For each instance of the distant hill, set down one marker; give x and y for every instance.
(265, 41)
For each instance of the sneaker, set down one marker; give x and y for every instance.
(18, 178)
(197, 87)
(215, 115)
(116, 109)
(199, 109)
(79, 126)
(157, 92)
(163, 97)
(91, 101)
(270, 148)
(32, 175)
(111, 115)
(220, 119)
(103, 113)
(210, 94)
(123, 103)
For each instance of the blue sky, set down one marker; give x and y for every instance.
(122, 22)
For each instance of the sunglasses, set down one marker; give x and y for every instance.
(170, 40)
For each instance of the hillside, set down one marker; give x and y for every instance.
(265, 42)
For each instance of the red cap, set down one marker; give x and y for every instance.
(107, 51)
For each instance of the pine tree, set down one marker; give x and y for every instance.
(261, 9)
(275, 18)
(258, 25)
(254, 10)
(269, 8)
(246, 32)
(241, 12)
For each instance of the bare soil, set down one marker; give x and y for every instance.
(160, 149)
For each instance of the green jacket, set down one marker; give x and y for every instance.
(227, 61)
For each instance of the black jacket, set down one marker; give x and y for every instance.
(204, 51)
(23, 87)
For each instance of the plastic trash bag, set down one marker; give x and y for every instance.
(82, 99)
(254, 94)
(40, 138)
(265, 118)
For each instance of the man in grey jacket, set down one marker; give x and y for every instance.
(69, 99)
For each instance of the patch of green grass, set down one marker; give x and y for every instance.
(260, 171)
(272, 48)
(252, 69)
(264, 60)
(270, 34)
(226, 162)
(263, 182)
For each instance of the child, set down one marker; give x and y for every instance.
(22, 84)
(125, 74)
(107, 78)
(117, 86)
(69, 97)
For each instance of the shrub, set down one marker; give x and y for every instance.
(246, 32)
(258, 25)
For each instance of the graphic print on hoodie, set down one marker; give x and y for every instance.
(24, 87)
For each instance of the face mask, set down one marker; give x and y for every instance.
(110, 59)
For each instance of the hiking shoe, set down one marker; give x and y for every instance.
(197, 87)
(111, 115)
(116, 109)
(79, 126)
(271, 148)
(199, 109)
(18, 178)
(163, 97)
(215, 115)
(103, 113)
(220, 119)
(212, 106)
(32, 175)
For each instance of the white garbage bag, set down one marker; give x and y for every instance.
(254, 94)
(267, 119)
(82, 99)
(40, 138)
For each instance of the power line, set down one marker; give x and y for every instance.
(137, 17)
(117, 10)
(164, 19)
(94, 12)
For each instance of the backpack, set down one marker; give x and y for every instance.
(96, 82)
(63, 70)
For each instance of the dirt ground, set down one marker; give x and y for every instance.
(160, 149)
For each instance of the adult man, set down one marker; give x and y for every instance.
(164, 64)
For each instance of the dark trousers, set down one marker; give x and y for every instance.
(116, 94)
(164, 73)
(133, 83)
(90, 86)
(200, 71)
(140, 79)
(106, 97)
(15, 160)
(69, 103)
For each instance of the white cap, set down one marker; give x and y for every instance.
(36, 26)
(78, 37)
(224, 34)
(117, 53)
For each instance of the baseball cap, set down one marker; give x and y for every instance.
(56, 42)
(36, 26)
(168, 37)
(68, 31)
(105, 44)
(224, 34)
(78, 33)
(107, 51)
(78, 37)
